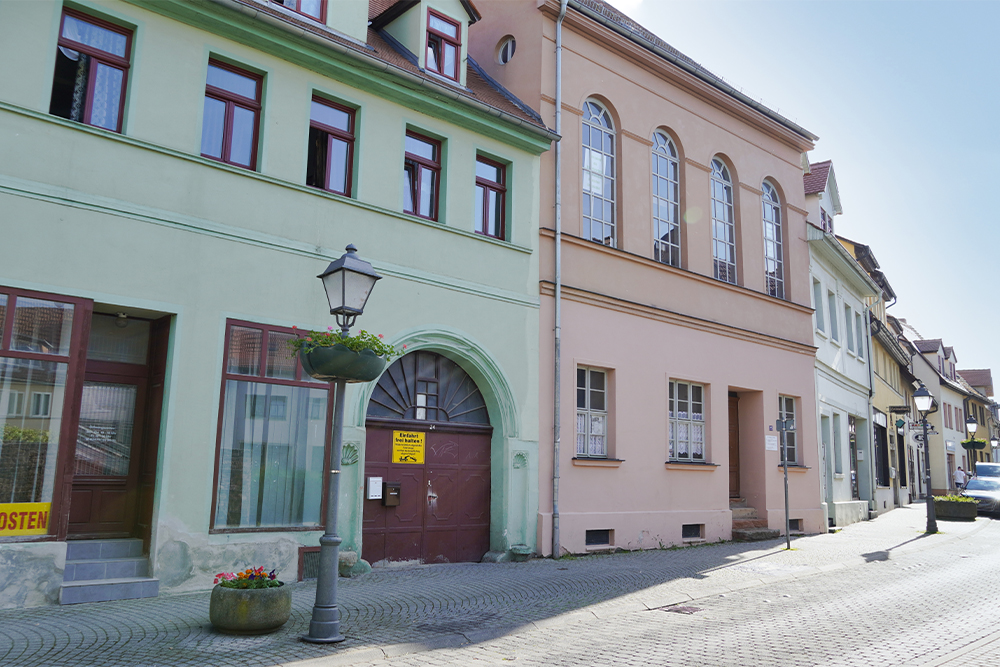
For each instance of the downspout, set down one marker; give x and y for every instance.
(871, 412)
(557, 384)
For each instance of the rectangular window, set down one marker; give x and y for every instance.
(232, 115)
(491, 194)
(818, 304)
(838, 452)
(686, 411)
(421, 175)
(315, 9)
(786, 410)
(832, 301)
(444, 45)
(859, 330)
(849, 328)
(92, 63)
(591, 413)
(331, 147)
(36, 377)
(272, 436)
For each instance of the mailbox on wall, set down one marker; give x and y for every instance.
(390, 493)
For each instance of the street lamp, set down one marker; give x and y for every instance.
(927, 405)
(971, 426)
(348, 282)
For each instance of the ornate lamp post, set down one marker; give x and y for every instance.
(348, 282)
(927, 405)
(971, 426)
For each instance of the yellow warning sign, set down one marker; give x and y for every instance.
(24, 519)
(407, 447)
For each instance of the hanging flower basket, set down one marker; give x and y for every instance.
(339, 363)
(974, 444)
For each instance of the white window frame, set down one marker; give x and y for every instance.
(831, 299)
(687, 429)
(37, 398)
(786, 410)
(723, 224)
(818, 306)
(591, 421)
(774, 259)
(859, 331)
(15, 403)
(665, 168)
(849, 328)
(598, 172)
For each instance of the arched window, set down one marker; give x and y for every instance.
(666, 201)
(723, 223)
(598, 175)
(774, 264)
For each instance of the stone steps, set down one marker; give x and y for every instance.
(102, 570)
(747, 526)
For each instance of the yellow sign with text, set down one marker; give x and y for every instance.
(24, 519)
(407, 447)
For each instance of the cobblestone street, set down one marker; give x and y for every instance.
(876, 593)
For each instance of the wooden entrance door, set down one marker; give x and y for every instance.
(734, 446)
(109, 436)
(443, 514)
(118, 432)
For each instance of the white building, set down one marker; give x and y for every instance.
(841, 293)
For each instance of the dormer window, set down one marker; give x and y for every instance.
(315, 9)
(444, 45)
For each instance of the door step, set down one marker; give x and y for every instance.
(103, 570)
(747, 527)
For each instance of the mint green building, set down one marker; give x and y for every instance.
(173, 176)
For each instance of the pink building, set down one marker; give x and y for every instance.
(674, 284)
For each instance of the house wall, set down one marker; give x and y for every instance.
(646, 323)
(141, 222)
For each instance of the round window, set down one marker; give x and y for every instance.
(506, 50)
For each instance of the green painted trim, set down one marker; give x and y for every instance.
(106, 205)
(474, 359)
(354, 72)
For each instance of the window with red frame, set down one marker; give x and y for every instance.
(331, 147)
(272, 435)
(444, 45)
(92, 62)
(491, 193)
(232, 115)
(315, 9)
(422, 176)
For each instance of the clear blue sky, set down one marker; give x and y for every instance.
(904, 97)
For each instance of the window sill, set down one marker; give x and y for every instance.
(838, 475)
(597, 463)
(597, 548)
(795, 468)
(681, 465)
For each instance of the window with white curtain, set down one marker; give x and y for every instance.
(687, 421)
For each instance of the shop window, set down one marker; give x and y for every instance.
(272, 435)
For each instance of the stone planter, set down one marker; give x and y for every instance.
(954, 510)
(340, 363)
(250, 611)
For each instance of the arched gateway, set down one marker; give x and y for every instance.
(428, 430)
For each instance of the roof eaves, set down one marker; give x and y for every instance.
(513, 99)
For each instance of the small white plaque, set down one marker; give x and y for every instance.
(771, 443)
(374, 488)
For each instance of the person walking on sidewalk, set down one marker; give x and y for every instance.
(960, 478)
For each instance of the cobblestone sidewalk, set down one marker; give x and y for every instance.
(394, 611)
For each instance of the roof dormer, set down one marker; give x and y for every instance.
(434, 33)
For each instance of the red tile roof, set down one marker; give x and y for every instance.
(815, 180)
(979, 377)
